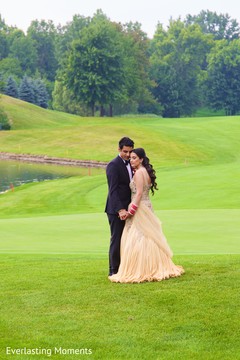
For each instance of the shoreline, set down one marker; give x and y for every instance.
(44, 159)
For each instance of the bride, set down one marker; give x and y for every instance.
(145, 253)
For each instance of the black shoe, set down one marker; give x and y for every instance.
(112, 272)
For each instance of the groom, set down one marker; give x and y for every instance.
(119, 175)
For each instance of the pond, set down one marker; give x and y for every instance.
(16, 173)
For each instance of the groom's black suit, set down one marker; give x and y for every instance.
(119, 197)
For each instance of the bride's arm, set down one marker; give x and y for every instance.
(138, 178)
(139, 182)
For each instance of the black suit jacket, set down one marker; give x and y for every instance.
(119, 193)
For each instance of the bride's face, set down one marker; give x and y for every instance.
(135, 161)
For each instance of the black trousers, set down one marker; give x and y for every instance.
(116, 228)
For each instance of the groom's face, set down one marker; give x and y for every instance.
(125, 152)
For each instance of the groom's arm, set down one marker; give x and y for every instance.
(113, 187)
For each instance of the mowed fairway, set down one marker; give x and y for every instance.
(54, 239)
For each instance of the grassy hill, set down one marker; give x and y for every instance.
(197, 159)
(167, 141)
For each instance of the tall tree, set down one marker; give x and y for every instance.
(178, 60)
(62, 97)
(23, 48)
(11, 88)
(26, 90)
(223, 83)
(44, 35)
(3, 39)
(95, 64)
(68, 33)
(41, 94)
(64, 100)
(10, 66)
(136, 69)
(2, 82)
(220, 26)
(3, 25)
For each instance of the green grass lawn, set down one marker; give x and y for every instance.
(189, 232)
(54, 239)
(66, 301)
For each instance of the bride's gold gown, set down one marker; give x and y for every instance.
(145, 253)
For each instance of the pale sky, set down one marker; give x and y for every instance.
(147, 12)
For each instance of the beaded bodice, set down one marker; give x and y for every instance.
(145, 195)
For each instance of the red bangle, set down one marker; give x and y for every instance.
(133, 209)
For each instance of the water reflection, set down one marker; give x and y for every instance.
(16, 173)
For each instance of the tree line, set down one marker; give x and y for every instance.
(93, 64)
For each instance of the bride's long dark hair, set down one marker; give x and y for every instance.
(140, 152)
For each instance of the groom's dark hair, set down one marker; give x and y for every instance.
(126, 141)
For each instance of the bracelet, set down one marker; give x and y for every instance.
(133, 209)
